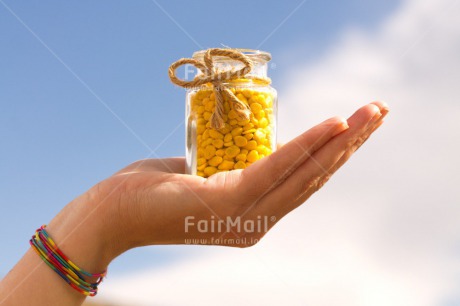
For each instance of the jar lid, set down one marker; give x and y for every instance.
(254, 55)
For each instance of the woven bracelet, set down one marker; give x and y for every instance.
(47, 249)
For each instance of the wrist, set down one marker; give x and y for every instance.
(80, 231)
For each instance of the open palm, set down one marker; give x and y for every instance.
(158, 204)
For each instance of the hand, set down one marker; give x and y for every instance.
(153, 202)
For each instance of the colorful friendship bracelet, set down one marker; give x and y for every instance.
(46, 248)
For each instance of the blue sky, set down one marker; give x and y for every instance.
(84, 91)
(58, 135)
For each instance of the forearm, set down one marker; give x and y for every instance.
(80, 232)
(91, 231)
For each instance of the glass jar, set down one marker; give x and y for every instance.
(239, 142)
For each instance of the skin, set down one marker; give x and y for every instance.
(147, 202)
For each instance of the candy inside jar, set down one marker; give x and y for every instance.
(231, 120)
(240, 142)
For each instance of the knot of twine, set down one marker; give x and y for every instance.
(211, 75)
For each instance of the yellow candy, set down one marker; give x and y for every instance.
(260, 115)
(241, 141)
(228, 137)
(206, 142)
(209, 152)
(202, 94)
(220, 153)
(243, 122)
(241, 157)
(259, 135)
(200, 152)
(232, 114)
(247, 93)
(253, 156)
(256, 108)
(237, 131)
(215, 134)
(209, 106)
(200, 129)
(210, 170)
(249, 131)
(269, 102)
(207, 115)
(242, 98)
(239, 165)
(200, 110)
(263, 122)
(201, 167)
(252, 145)
(226, 129)
(218, 143)
(215, 161)
(249, 136)
(263, 101)
(205, 134)
(232, 151)
(226, 165)
(261, 149)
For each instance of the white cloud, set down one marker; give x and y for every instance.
(386, 230)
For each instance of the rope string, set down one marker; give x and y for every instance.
(211, 75)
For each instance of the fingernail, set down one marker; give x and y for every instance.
(344, 123)
(338, 124)
(376, 109)
(377, 114)
(341, 126)
(385, 108)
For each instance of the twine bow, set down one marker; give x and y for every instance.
(217, 78)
